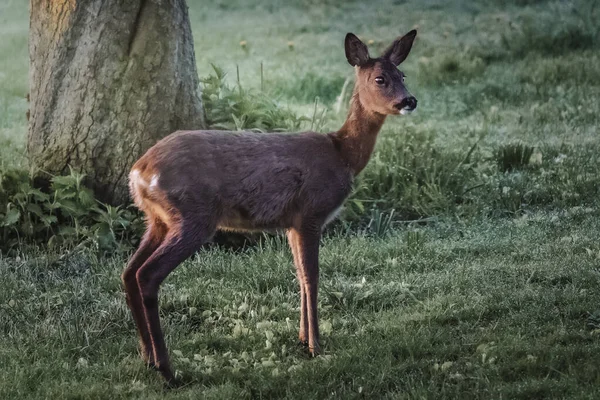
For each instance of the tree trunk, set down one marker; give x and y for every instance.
(108, 78)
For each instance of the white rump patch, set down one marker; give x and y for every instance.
(154, 181)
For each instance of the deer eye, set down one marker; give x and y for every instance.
(379, 80)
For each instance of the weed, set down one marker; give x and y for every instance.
(514, 156)
(380, 223)
(239, 109)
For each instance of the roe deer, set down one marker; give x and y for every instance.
(192, 183)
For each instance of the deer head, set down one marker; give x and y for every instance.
(379, 82)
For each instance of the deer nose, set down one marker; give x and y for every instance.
(407, 103)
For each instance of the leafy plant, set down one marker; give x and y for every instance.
(240, 109)
(66, 215)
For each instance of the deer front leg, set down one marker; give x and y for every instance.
(308, 254)
(293, 242)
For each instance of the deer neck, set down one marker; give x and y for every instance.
(356, 138)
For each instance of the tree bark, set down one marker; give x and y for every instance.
(108, 78)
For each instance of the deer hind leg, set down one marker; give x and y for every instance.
(180, 243)
(294, 246)
(153, 237)
(308, 255)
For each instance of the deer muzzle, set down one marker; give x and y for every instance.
(408, 104)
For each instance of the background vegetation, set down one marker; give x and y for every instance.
(465, 263)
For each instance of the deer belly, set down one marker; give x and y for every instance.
(240, 222)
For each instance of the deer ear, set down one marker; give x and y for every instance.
(398, 51)
(356, 51)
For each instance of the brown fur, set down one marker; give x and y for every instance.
(192, 183)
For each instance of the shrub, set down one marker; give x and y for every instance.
(240, 109)
(66, 215)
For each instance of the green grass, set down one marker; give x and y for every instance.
(14, 61)
(496, 309)
(492, 294)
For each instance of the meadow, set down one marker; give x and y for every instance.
(465, 264)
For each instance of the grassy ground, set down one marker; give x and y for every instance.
(502, 309)
(493, 295)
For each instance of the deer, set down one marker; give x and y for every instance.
(192, 183)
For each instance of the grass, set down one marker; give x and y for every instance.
(497, 309)
(491, 293)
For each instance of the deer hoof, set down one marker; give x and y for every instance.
(166, 372)
(173, 384)
(315, 350)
